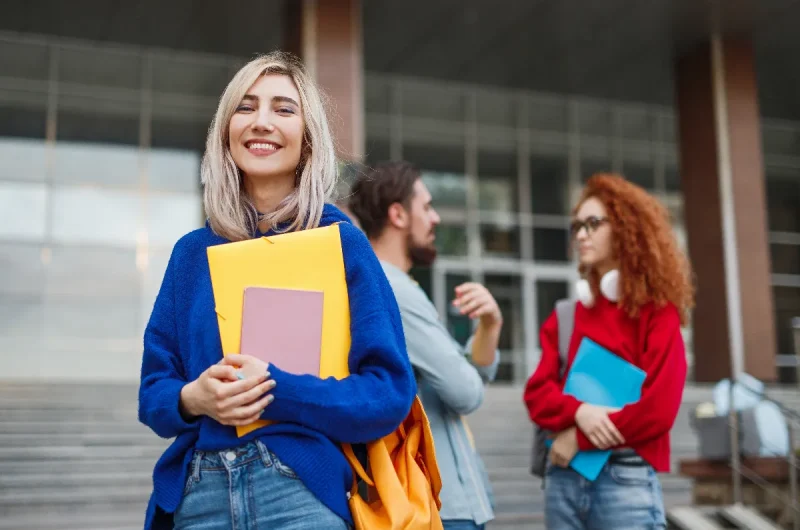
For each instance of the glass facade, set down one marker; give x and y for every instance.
(504, 168)
(99, 176)
(100, 149)
(782, 167)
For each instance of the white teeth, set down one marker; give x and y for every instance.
(270, 147)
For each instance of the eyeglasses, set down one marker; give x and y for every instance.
(591, 223)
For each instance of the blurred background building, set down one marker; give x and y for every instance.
(507, 106)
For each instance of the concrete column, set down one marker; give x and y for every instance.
(722, 175)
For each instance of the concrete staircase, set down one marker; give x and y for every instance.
(75, 457)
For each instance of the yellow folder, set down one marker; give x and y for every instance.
(307, 259)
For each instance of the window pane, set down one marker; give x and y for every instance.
(785, 259)
(451, 240)
(423, 276)
(98, 66)
(172, 215)
(24, 60)
(590, 165)
(23, 211)
(497, 181)
(459, 326)
(500, 241)
(495, 107)
(672, 177)
(378, 150)
(447, 189)
(432, 101)
(109, 119)
(551, 244)
(174, 170)
(595, 119)
(787, 307)
(77, 272)
(442, 171)
(87, 215)
(549, 185)
(783, 201)
(96, 163)
(640, 173)
(547, 294)
(637, 124)
(23, 272)
(507, 290)
(181, 75)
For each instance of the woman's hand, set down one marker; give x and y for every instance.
(564, 448)
(228, 395)
(596, 425)
(246, 365)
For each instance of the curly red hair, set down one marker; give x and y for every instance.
(651, 264)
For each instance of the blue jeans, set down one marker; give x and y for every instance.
(461, 524)
(248, 488)
(626, 497)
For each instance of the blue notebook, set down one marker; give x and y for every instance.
(602, 378)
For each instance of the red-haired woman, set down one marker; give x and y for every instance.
(634, 296)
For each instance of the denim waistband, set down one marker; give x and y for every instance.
(232, 458)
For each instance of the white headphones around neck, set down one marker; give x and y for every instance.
(609, 287)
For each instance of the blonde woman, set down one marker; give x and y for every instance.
(269, 167)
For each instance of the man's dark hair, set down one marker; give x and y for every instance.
(376, 189)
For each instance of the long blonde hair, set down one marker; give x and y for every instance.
(230, 210)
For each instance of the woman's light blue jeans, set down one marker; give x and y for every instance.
(622, 496)
(248, 488)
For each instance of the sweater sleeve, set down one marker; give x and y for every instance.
(162, 375)
(664, 361)
(548, 406)
(376, 397)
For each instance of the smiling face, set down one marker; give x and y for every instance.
(266, 131)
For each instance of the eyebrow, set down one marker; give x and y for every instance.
(276, 99)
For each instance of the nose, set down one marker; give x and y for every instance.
(435, 219)
(582, 234)
(262, 120)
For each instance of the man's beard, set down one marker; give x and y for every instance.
(421, 255)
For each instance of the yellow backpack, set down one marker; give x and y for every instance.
(403, 480)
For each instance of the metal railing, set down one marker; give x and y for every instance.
(740, 472)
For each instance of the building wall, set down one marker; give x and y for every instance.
(99, 176)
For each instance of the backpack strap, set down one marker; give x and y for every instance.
(565, 313)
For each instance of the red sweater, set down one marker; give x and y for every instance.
(652, 342)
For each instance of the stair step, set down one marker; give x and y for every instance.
(72, 427)
(85, 453)
(26, 439)
(48, 518)
(76, 466)
(691, 518)
(746, 517)
(72, 480)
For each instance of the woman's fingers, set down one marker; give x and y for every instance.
(244, 415)
(249, 396)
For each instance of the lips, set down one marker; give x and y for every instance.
(261, 147)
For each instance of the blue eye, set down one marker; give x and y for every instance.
(242, 108)
(286, 110)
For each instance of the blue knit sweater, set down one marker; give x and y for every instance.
(182, 340)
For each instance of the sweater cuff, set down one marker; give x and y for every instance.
(571, 406)
(171, 394)
(584, 444)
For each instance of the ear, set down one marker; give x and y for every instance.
(398, 216)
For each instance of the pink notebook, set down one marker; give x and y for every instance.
(283, 327)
